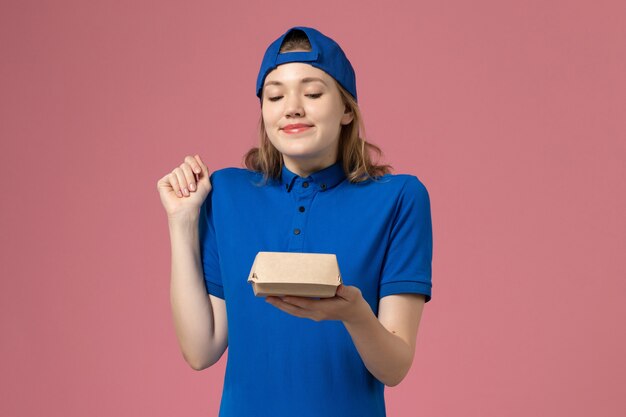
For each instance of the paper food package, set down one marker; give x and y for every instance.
(295, 273)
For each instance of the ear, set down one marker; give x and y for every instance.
(348, 116)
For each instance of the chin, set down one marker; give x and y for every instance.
(295, 149)
(299, 155)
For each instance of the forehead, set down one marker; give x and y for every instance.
(293, 72)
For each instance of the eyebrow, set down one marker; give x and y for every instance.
(304, 80)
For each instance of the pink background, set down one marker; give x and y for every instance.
(511, 113)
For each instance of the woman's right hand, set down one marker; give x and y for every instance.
(183, 190)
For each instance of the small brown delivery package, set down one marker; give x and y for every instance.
(295, 273)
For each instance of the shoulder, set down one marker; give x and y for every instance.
(229, 173)
(400, 185)
(232, 176)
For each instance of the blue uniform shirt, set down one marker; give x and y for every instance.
(280, 365)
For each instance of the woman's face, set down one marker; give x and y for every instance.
(300, 94)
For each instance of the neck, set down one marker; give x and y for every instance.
(305, 168)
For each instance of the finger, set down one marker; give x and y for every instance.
(341, 291)
(195, 169)
(301, 302)
(286, 307)
(182, 181)
(347, 292)
(193, 162)
(190, 179)
(173, 179)
(203, 167)
(164, 182)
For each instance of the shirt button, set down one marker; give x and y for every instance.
(305, 184)
(296, 231)
(323, 186)
(301, 208)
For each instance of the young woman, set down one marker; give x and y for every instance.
(310, 186)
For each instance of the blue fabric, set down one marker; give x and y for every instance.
(280, 365)
(325, 54)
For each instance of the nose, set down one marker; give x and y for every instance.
(293, 106)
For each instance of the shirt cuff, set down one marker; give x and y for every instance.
(214, 289)
(402, 287)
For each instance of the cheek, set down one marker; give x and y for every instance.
(266, 118)
(332, 114)
(269, 114)
(271, 125)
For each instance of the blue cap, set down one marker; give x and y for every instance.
(325, 54)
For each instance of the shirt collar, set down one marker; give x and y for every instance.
(323, 179)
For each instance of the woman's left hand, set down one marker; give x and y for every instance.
(348, 305)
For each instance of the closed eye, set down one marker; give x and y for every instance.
(313, 96)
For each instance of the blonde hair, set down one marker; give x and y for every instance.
(353, 150)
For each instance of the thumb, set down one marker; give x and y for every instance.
(342, 291)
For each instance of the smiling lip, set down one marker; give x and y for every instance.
(296, 128)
